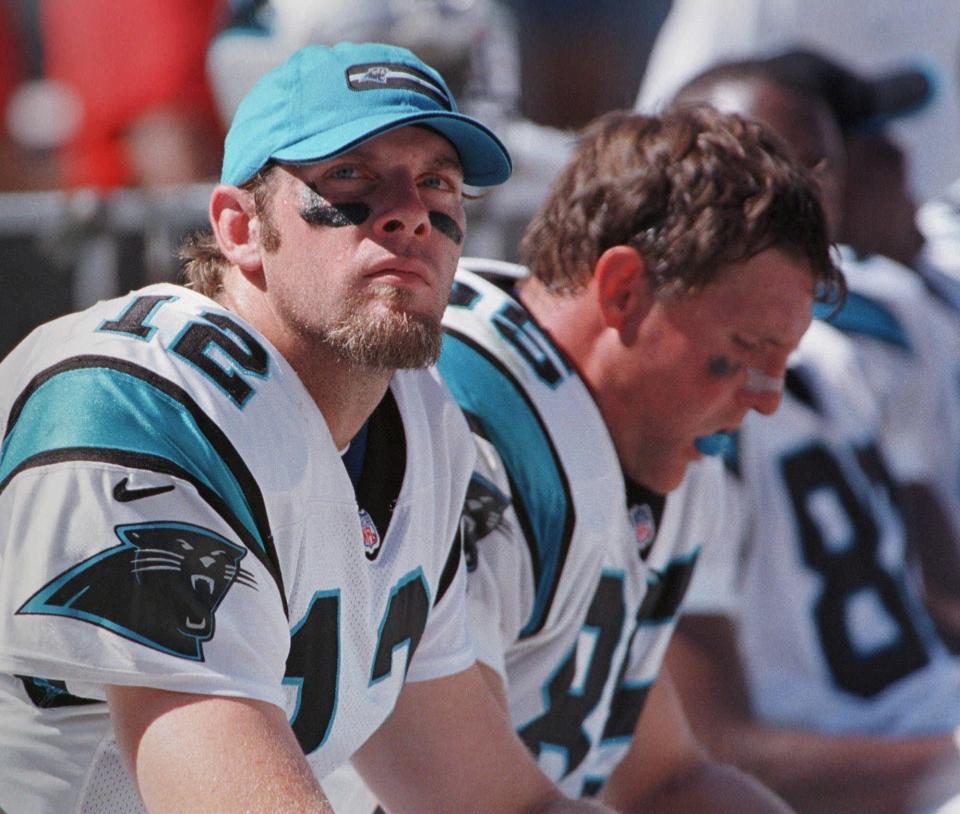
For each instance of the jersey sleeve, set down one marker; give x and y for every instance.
(499, 591)
(445, 647)
(135, 543)
(714, 586)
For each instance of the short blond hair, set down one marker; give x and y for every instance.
(203, 262)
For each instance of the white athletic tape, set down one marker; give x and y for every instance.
(759, 382)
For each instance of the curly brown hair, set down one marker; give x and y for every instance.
(693, 190)
(204, 263)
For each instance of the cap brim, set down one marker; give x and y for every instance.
(484, 158)
(901, 93)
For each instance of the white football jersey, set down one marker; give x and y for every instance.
(939, 222)
(575, 578)
(174, 514)
(908, 345)
(831, 632)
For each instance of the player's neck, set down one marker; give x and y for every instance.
(571, 326)
(345, 394)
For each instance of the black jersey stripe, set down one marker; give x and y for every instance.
(450, 568)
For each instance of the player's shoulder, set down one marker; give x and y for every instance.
(142, 327)
(884, 301)
(491, 337)
(480, 288)
(826, 382)
(166, 327)
(826, 394)
(895, 305)
(826, 346)
(879, 275)
(162, 361)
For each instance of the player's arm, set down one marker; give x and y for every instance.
(934, 542)
(449, 746)
(666, 769)
(813, 771)
(212, 753)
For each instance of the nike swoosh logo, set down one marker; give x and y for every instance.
(125, 495)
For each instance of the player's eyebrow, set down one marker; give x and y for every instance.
(443, 162)
(761, 339)
(439, 161)
(771, 341)
(446, 162)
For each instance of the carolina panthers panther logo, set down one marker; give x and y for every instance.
(160, 587)
(482, 512)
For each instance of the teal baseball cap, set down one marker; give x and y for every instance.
(324, 101)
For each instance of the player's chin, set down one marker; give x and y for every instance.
(672, 478)
(670, 473)
(423, 305)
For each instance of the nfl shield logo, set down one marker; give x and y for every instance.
(371, 537)
(644, 526)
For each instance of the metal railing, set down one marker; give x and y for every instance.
(63, 251)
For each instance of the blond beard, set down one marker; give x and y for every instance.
(393, 340)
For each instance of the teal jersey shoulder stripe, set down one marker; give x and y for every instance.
(867, 317)
(541, 493)
(101, 408)
(107, 408)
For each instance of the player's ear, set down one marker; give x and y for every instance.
(232, 213)
(623, 292)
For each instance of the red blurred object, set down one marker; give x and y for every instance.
(138, 69)
(12, 63)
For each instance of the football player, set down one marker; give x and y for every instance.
(672, 269)
(229, 557)
(805, 654)
(840, 540)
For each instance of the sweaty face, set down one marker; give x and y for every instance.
(368, 243)
(701, 363)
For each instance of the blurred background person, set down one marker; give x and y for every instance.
(805, 654)
(111, 106)
(907, 339)
(834, 673)
(110, 126)
(879, 36)
(120, 93)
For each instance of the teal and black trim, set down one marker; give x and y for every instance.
(47, 694)
(864, 316)
(99, 408)
(495, 401)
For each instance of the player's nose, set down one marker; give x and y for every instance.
(404, 211)
(762, 389)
